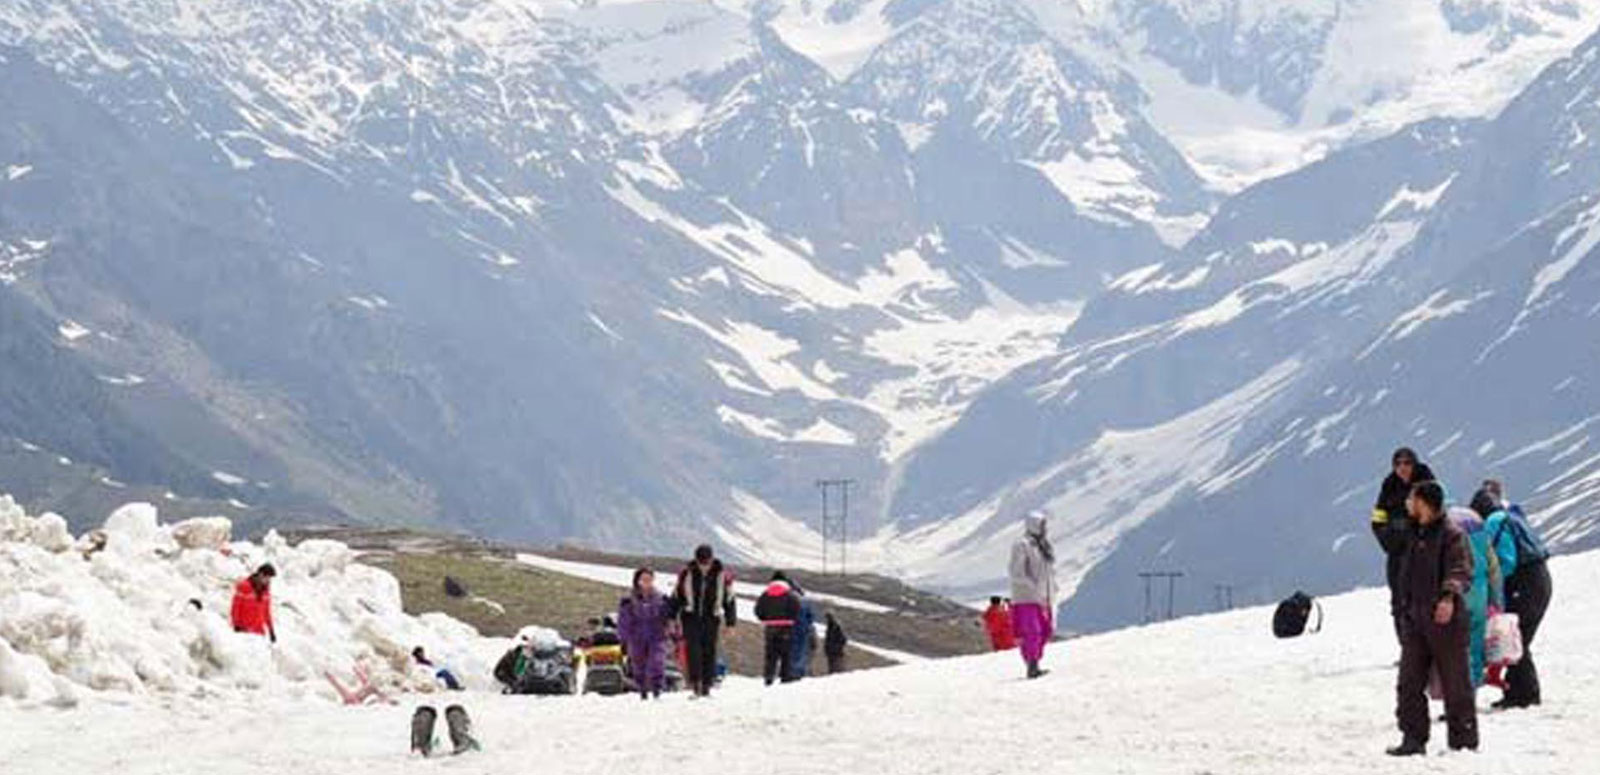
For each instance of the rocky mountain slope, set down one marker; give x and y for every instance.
(639, 272)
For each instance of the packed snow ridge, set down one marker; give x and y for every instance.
(78, 620)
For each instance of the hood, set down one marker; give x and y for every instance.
(1034, 524)
(777, 589)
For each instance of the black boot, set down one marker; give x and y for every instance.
(1409, 747)
(1034, 671)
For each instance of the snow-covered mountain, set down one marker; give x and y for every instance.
(635, 272)
(1230, 413)
(468, 261)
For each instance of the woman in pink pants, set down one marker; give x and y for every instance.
(1033, 591)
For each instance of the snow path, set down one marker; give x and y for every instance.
(1214, 694)
(747, 592)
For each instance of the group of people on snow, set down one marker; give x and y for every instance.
(1450, 571)
(650, 624)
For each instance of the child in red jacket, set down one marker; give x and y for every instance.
(252, 603)
(997, 622)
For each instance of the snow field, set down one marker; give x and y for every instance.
(1216, 694)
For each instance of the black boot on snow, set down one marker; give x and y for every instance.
(460, 725)
(1409, 747)
(422, 723)
(1034, 671)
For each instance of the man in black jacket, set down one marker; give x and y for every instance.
(1390, 523)
(703, 603)
(1435, 578)
(778, 609)
(833, 644)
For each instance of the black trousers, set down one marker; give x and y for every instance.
(779, 654)
(700, 635)
(835, 663)
(1428, 647)
(1528, 596)
(1396, 607)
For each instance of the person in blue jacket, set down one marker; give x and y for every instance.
(1525, 591)
(1487, 590)
(805, 637)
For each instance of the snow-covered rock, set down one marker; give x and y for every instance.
(136, 620)
(203, 532)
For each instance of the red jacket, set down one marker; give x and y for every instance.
(997, 621)
(252, 612)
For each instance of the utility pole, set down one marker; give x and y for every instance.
(1224, 596)
(835, 522)
(1172, 590)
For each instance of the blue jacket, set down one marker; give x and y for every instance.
(805, 631)
(1505, 550)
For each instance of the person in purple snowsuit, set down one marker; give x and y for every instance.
(642, 620)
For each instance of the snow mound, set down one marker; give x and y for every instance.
(115, 612)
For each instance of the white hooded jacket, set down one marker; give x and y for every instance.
(1033, 574)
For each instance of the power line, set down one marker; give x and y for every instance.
(1172, 591)
(1224, 594)
(835, 522)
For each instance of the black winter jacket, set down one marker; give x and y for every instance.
(1392, 526)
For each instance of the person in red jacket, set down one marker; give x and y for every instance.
(778, 608)
(252, 603)
(997, 622)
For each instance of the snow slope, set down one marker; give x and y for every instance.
(1213, 694)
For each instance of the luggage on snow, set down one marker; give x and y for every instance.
(1502, 644)
(536, 669)
(1289, 621)
(605, 674)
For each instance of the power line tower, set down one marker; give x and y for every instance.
(1172, 590)
(835, 522)
(1224, 596)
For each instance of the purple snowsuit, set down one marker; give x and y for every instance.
(642, 624)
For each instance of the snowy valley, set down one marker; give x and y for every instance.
(637, 273)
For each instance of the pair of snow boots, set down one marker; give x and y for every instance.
(455, 718)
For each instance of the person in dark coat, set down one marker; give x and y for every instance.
(704, 604)
(1527, 594)
(778, 608)
(1390, 523)
(833, 644)
(1434, 579)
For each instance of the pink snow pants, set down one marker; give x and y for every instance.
(1034, 627)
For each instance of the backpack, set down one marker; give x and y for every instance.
(1289, 621)
(1530, 549)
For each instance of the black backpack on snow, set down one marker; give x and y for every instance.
(1289, 621)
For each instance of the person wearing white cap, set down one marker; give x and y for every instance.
(1033, 591)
